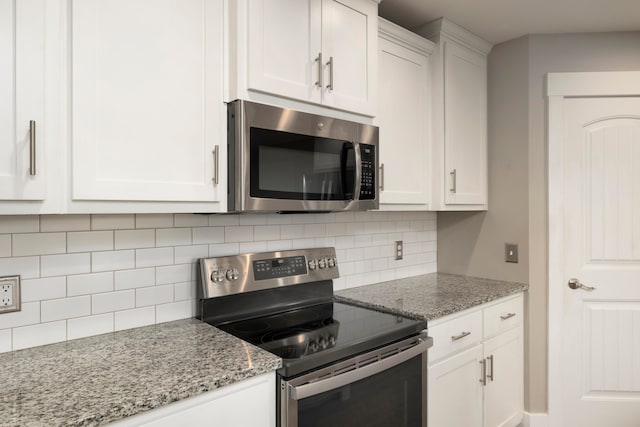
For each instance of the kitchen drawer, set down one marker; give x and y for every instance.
(503, 316)
(456, 334)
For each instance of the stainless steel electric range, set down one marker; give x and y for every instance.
(343, 364)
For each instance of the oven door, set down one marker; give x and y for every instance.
(386, 387)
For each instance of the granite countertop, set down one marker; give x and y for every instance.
(431, 296)
(97, 380)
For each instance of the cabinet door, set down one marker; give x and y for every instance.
(22, 26)
(465, 127)
(284, 48)
(455, 392)
(350, 49)
(504, 398)
(404, 139)
(147, 108)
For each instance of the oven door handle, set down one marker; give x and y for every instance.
(322, 386)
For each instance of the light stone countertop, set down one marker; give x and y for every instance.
(96, 380)
(431, 296)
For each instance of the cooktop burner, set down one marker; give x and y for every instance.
(322, 333)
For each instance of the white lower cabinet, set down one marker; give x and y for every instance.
(248, 403)
(476, 372)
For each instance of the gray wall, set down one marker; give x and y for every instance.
(472, 243)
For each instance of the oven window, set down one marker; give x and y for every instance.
(291, 166)
(392, 398)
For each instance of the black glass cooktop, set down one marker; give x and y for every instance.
(313, 336)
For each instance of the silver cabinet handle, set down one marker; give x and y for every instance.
(381, 176)
(319, 82)
(216, 166)
(483, 375)
(454, 183)
(330, 64)
(32, 147)
(508, 316)
(459, 337)
(575, 284)
(490, 370)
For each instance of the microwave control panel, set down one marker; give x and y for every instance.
(368, 182)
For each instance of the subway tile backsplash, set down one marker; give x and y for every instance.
(85, 275)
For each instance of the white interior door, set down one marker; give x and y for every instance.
(601, 327)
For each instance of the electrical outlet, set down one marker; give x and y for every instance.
(9, 294)
(510, 252)
(397, 248)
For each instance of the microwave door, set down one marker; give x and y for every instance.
(348, 170)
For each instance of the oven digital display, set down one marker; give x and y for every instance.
(279, 267)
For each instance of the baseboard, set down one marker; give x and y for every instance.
(535, 420)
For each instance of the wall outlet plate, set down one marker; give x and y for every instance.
(9, 294)
(511, 252)
(398, 249)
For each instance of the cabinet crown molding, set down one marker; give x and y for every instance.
(442, 26)
(405, 38)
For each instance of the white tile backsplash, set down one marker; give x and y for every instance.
(87, 284)
(41, 334)
(90, 325)
(5, 245)
(43, 289)
(62, 265)
(20, 224)
(89, 241)
(86, 275)
(135, 239)
(38, 244)
(65, 308)
(137, 278)
(113, 301)
(113, 260)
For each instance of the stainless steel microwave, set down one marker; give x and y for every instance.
(281, 160)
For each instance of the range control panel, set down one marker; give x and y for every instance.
(279, 267)
(251, 272)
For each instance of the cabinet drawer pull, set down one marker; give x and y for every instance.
(458, 337)
(507, 316)
(32, 147)
(490, 370)
(330, 64)
(454, 183)
(319, 82)
(216, 165)
(483, 375)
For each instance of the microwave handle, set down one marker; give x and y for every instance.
(358, 178)
(322, 386)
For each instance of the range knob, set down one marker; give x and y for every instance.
(331, 262)
(332, 340)
(322, 343)
(217, 276)
(312, 264)
(232, 273)
(313, 346)
(322, 263)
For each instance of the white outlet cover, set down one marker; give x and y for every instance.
(9, 294)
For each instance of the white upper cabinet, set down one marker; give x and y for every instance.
(22, 99)
(315, 51)
(460, 117)
(404, 97)
(147, 112)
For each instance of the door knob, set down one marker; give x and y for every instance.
(575, 284)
